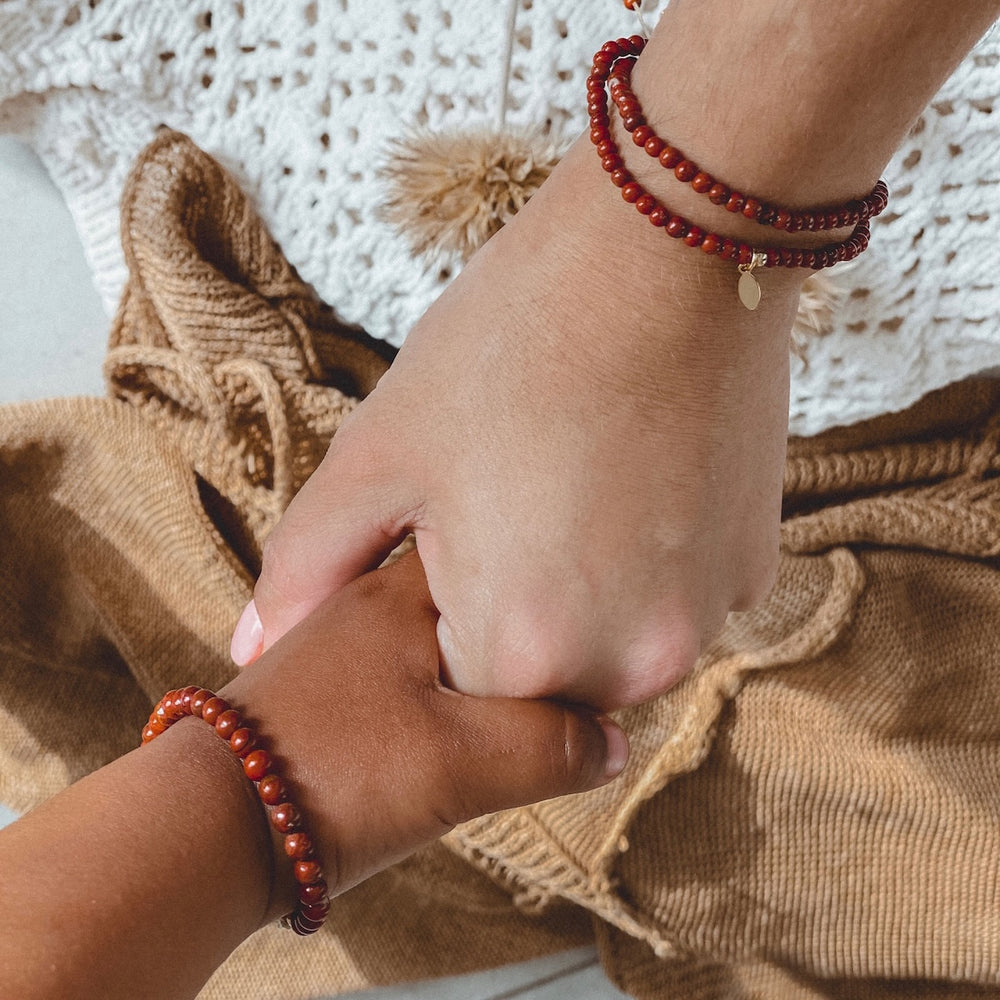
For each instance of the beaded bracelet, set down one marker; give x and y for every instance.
(313, 900)
(747, 258)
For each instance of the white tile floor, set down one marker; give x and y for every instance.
(52, 341)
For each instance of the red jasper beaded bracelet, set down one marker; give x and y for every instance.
(313, 900)
(748, 258)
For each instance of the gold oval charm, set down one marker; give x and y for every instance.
(749, 290)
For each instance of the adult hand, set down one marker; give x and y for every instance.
(586, 432)
(587, 442)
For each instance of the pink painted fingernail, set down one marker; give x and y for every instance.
(248, 638)
(618, 748)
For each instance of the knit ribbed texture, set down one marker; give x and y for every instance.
(811, 814)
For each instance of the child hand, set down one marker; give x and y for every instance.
(382, 756)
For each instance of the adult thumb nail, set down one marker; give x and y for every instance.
(248, 638)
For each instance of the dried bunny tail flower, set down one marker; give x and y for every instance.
(449, 193)
(817, 306)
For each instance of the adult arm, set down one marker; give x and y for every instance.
(586, 431)
(141, 878)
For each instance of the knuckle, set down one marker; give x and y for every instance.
(664, 655)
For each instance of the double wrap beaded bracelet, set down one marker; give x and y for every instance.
(611, 73)
(313, 903)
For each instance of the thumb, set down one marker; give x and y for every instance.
(519, 751)
(339, 526)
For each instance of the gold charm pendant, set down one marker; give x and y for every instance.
(748, 288)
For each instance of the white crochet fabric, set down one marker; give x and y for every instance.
(299, 97)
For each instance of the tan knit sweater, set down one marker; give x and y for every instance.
(813, 813)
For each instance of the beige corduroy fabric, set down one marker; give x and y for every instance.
(813, 813)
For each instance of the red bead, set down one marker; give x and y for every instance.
(735, 202)
(631, 4)
(271, 790)
(808, 222)
(256, 764)
(773, 258)
(830, 220)
(602, 61)
(612, 49)
(307, 871)
(302, 927)
(685, 171)
(198, 700)
(299, 846)
(632, 191)
(629, 108)
(728, 249)
(744, 254)
(285, 818)
(702, 182)
(767, 215)
(157, 726)
(620, 177)
(313, 893)
(677, 227)
(694, 236)
(636, 42)
(645, 204)
(632, 122)
(718, 194)
(654, 146)
(213, 708)
(187, 694)
(670, 157)
(607, 148)
(642, 135)
(242, 741)
(659, 216)
(227, 723)
(149, 734)
(782, 219)
(751, 208)
(612, 162)
(318, 911)
(808, 258)
(710, 244)
(599, 134)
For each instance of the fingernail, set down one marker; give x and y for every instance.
(248, 638)
(618, 749)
